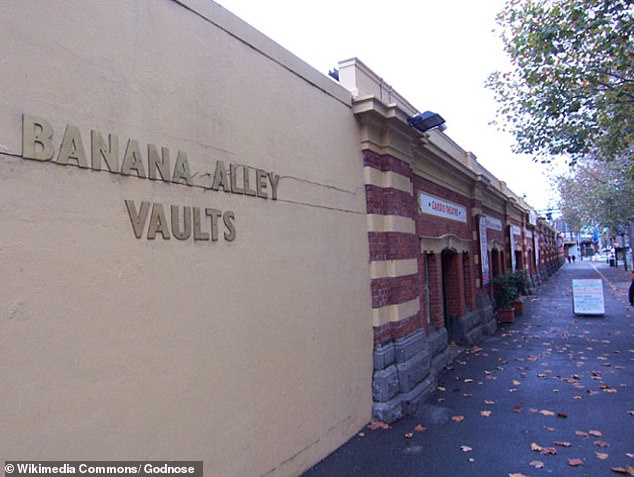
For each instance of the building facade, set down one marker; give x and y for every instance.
(184, 251)
(440, 228)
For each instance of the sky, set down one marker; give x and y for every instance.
(436, 54)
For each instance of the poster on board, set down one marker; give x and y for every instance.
(484, 250)
(587, 297)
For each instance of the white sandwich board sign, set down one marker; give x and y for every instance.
(587, 297)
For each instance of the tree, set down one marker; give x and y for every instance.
(571, 88)
(597, 194)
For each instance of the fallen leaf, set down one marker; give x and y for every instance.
(575, 462)
(601, 455)
(457, 418)
(485, 413)
(618, 470)
(538, 464)
(623, 470)
(562, 443)
(374, 425)
(420, 428)
(466, 448)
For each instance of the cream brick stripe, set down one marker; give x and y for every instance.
(393, 268)
(394, 313)
(390, 223)
(386, 179)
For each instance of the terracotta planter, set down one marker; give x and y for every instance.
(507, 315)
(519, 306)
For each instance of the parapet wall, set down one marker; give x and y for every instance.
(183, 254)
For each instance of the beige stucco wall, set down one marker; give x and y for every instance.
(254, 355)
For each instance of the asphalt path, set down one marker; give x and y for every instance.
(551, 394)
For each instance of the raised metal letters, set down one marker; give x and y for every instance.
(72, 148)
(205, 226)
(36, 139)
(132, 159)
(37, 144)
(137, 219)
(98, 151)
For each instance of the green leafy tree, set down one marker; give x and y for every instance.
(597, 194)
(570, 91)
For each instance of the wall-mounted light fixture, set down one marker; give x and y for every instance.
(426, 121)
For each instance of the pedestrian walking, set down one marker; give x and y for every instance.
(574, 257)
(632, 290)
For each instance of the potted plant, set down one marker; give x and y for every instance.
(519, 278)
(505, 292)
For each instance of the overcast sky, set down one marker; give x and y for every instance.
(436, 54)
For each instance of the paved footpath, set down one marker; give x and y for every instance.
(549, 395)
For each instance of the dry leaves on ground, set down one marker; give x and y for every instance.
(374, 425)
(629, 470)
(538, 464)
(562, 443)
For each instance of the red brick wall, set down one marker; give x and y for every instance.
(396, 329)
(394, 290)
(392, 246)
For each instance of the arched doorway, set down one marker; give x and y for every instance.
(519, 260)
(452, 288)
(496, 263)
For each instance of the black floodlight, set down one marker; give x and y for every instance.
(426, 121)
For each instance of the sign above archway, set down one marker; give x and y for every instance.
(438, 207)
